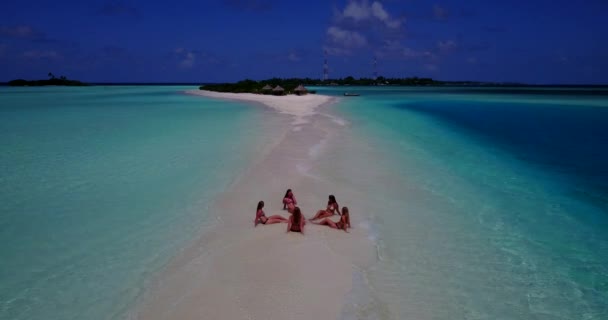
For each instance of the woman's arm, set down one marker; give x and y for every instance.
(258, 215)
(302, 223)
(289, 223)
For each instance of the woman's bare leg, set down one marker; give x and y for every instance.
(290, 208)
(321, 214)
(327, 222)
(278, 217)
(273, 220)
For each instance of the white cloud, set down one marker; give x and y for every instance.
(359, 24)
(292, 56)
(335, 51)
(445, 46)
(362, 11)
(395, 49)
(17, 31)
(346, 38)
(188, 60)
(379, 12)
(41, 54)
(431, 67)
(561, 56)
(357, 11)
(439, 12)
(411, 53)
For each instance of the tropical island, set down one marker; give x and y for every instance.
(294, 85)
(52, 81)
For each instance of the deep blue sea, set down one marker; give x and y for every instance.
(485, 203)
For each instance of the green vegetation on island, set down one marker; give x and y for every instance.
(52, 81)
(289, 85)
(264, 86)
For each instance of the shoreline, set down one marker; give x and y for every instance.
(236, 271)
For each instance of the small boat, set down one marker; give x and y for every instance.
(350, 94)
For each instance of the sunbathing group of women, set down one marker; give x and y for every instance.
(296, 220)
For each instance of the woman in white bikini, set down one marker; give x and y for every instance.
(343, 224)
(332, 208)
(289, 201)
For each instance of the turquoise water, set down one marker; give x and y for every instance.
(484, 203)
(100, 187)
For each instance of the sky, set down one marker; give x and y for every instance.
(527, 41)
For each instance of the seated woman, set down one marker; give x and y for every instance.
(296, 221)
(260, 216)
(289, 201)
(343, 224)
(332, 207)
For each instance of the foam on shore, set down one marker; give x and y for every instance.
(236, 271)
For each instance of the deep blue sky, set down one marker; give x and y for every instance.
(533, 41)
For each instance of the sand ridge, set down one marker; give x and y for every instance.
(236, 271)
(299, 107)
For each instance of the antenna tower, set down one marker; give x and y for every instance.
(375, 68)
(325, 66)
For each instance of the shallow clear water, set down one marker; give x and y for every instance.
(101, 186)
(484, 203)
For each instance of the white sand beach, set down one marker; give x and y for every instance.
(236, 271)
(297, 106)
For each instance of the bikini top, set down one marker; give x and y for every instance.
(260, 214)
(333, 207)
(291, 199)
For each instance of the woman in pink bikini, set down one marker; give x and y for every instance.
(260, 216)
(343, 224)
(332, 208)
(296, 221)
(289, 201)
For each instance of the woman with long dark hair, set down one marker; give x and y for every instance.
(343, 224)
(296, 221)
(260, 216)
(289, 201)
(330, 210)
